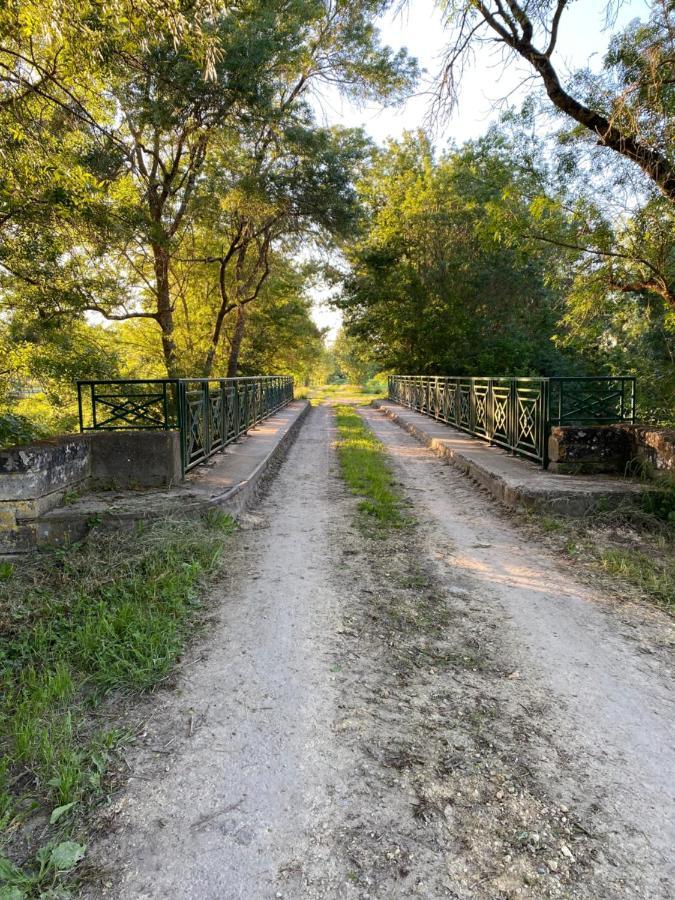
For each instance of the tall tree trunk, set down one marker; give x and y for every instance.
(164, 308)
(235, 346)
(222, 312)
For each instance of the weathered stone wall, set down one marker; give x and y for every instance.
(34, 479)
(585, 451)
(655, 445)
(609, 448)
(38, 477)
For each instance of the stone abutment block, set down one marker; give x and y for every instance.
(39, 477)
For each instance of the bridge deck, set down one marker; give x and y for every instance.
(512, 480)
(228, 480)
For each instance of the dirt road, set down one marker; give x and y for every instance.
(439, 712)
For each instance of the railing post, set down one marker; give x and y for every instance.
(472, 405)
(513, 415)
(92, 389)
(489, 410)
(546, 421)
(182, 424)
(206, 411)
(165, 407)
(223, 410)
(79, 406)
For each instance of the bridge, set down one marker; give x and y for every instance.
(364, 690)
(152, 447)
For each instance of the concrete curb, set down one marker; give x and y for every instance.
(242, 495)
(534, 488)
(67, 524)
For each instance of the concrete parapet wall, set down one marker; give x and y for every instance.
(589, 450)
(655, 445)
(229, 481)
(124, 460)
(38, 477)
(35, 479)
(39, 469)
(513, 481)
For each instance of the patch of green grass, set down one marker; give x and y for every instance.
(655, 577)
(53, 862)
(112, 613)
(363, 462)
(354, 394)
(550, 523)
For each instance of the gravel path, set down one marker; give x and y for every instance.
(440, 712)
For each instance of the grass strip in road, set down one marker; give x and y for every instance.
(364, 466)
(110, 614)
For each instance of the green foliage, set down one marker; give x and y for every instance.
(435, 284)
(364, 467)
(376, 386)
(635, 87)
(78, 623)
(659, 500)
(626, 108)
(655, 577)
(15, 429)
(281, 335)
(43, 361)
(501, 258)
(353, 360)
(42, 879)
(140, 143)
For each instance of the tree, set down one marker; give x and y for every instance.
(629, 108)
(282, 336)
(434, 284)
(353, 358)
(58, 148)
(260, 208)
(154, 112)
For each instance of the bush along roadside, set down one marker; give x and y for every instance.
(111, 614)
(364, 466)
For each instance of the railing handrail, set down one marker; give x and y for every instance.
(525, 377)
(517, 412)
(177, 380)
(208, 412)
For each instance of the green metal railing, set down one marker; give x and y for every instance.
(517, 413)
(208, 412)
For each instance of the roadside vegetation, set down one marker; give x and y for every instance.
(364, 467)
(632, 550)
(109, 616)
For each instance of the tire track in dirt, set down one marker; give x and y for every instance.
(250, 768)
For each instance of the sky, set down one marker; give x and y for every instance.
(583, 39)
